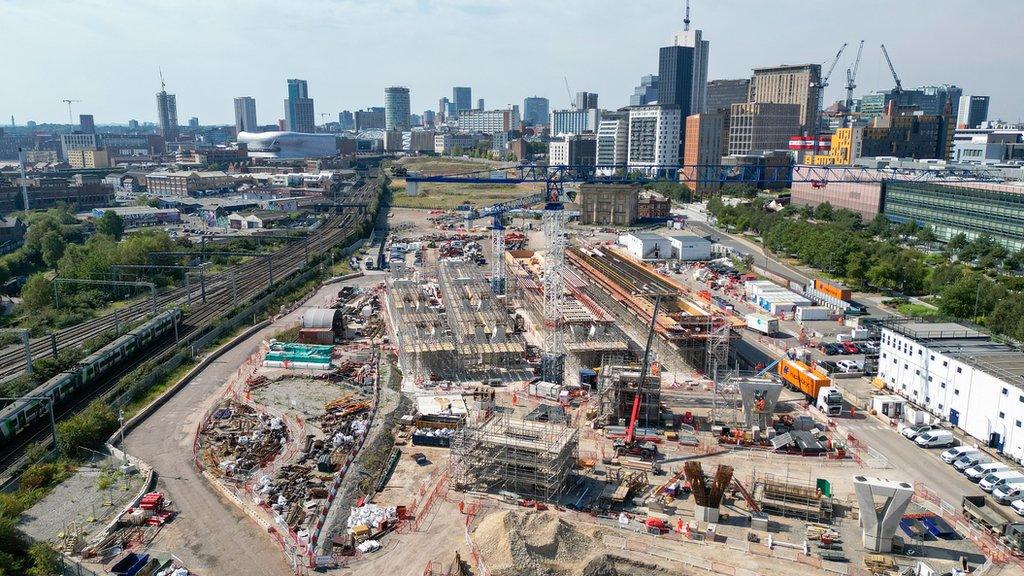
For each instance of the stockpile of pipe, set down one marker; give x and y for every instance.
(707, 493)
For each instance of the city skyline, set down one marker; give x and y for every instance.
(206, 76)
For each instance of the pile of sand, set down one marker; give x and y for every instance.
(533, 543)
(612, 565)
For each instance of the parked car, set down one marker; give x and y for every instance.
(997, 479)
(935, 439)
(978, 471)
(850, 348)
(912, 432)
(1018, 506)
(968, 460)
(1009, 492)
(954, 454)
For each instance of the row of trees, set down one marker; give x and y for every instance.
(966, 277)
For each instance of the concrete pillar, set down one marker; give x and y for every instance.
(759, 397)
(412, 188)
(882, 504)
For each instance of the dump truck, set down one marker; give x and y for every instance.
(983, 512)
(815, 385)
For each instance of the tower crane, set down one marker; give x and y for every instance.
(69, 102)
(851, 83)
(899, 85)
(824, 79)
(568, 92)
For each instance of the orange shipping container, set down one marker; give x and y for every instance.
(802, 377)
(832, 290)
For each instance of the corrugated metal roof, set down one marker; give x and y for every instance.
(319, 318)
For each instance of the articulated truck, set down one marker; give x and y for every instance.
(814, 384)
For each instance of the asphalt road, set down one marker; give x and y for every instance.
(211, 535)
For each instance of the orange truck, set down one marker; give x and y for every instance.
(812, 383)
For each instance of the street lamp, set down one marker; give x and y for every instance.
(47, 399)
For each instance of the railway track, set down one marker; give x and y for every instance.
(219, 301)
(12, 358)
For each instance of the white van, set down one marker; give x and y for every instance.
(935, 439)
(978, 471)
(954, 454)
(967, 460)
(1009, 492)
(995, 479)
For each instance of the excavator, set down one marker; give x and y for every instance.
(631, 445)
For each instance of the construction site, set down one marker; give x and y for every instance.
(568, 386)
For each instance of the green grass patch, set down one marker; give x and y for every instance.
(917, 310)
(446, 196)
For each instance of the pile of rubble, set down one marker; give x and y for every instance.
(237, 440)
(293, 494)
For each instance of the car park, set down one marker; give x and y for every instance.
(912, 432)
(935, 439)
(996, 479)
(954, 454)
(978, 471)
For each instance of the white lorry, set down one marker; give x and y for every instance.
(761, 323)
(830, 401)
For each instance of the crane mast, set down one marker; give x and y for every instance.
(899, 85)
(851, 83)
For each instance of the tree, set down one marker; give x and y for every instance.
(971, 296)
(52, 248)
(87, 429)
(824, 211)
(956, 243)
(926, 235)
(111, 224)
(857, 268)
(44, 560)
(37, 294)
(879, 226)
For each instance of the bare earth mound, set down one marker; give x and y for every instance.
(533, 543)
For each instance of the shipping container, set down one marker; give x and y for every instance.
(802, 377)
(810, 313)
(833, 290)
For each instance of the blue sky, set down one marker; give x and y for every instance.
(106, 52)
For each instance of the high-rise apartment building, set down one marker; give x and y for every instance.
(462, 96)
(757, 126)
(369, 119)
(396, 108)
(86, 124)
(167, 115)
(646, 93)
(653, 138)
(489, 121)
(572, 150)
(612, 141)
(480, 104)
(574, 121)
(722, 94)
(346, 120)
(585, 100)
(706, 142)
(535, 111)
(298, 108)
(77, 141)
(973, 111)
(798, 84)
(193, 123)
(245, 114)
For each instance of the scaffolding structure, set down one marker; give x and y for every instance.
(448, 324)
(521, 456)
(792, 497)
(618, 383)
(556, 242)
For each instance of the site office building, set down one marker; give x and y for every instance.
(960, 376)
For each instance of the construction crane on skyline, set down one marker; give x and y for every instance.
(824, 79)
(899, 85)
(568, 91)
(69, 102)
(851, 83)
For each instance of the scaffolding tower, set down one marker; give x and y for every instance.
(554, 289)
(521, 456)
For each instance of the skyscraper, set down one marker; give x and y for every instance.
(167, 113)
(480, 104)
(245, 114)
(535, 111)
(646, 93)
(370, 118)
(86, 124)
(798, 84)
(973, 111)
(699, 75)
(193, 123)
(586, 100)
(722, 94)
(346, 120)
(298, 108)
(462, 96)
(428, 117)
(396, 108)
